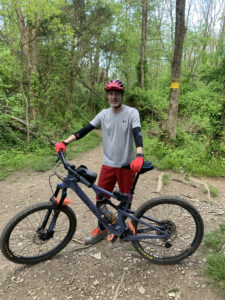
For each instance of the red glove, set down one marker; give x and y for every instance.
(60, 146)
(136, 164)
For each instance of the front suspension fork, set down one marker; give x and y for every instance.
(56, 209)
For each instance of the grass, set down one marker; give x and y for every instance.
(214, 243)
(174, 290)
(42, 158)
(190, 157)
(213, 191)
(165, 179)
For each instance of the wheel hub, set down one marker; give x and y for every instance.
(171, 229)
(42, 236)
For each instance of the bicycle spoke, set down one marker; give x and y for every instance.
(179, 220)
(25, 239)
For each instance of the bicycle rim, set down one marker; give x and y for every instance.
(21, 242)
(183, 222)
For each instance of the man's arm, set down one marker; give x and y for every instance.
(139, 150)
(138, 139)
(76, 136)
(137, 163)
(79, 134)
(70, 139)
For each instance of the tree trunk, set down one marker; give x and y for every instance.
(23, 94)
(94, 75)
(72, 75)
(29, 50)
(176, 68)
(71, 80)
(172, 24)
(144, 4)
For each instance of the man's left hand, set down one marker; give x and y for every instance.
(136, 164)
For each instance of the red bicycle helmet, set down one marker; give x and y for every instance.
(115, 85)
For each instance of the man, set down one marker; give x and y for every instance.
(120, 129)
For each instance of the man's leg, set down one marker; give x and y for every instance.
(125, 179)
(107, 181)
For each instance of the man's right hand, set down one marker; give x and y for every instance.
(60, 146)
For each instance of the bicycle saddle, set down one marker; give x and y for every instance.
(147, 166)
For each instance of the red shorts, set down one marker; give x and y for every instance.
(109, 176)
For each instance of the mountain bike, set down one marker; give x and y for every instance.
(164, 230)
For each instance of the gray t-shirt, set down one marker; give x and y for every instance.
(118, 141)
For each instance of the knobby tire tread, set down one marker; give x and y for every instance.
(148, 205)
(5, 237)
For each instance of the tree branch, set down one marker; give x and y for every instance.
(90, 89)
(18, 120)
(36, 134)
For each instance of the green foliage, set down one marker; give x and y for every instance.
(40, 156)
(198, 148)
(216, 268)
(152, 104)
(138, 69)
(214, 242)
(213, 191)
(165, 179)
(73, 62)
(215, 76)
(188, 154)
(174, 290)
(202, 110)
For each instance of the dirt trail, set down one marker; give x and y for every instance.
(106, 271)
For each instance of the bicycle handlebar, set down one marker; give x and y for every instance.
(71, 170)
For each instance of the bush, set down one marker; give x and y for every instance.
(40, 156)
(188, 154)
(214, 242)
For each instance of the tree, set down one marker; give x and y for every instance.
(180, 30)
(144, 4)
(73, 46)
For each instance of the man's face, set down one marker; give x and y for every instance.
(115, 98)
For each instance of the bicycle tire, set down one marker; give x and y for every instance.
(186, 230)
(20, 242)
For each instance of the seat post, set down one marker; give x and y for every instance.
(134, 184)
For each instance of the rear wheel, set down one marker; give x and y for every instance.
(24, 241)
(173, 215)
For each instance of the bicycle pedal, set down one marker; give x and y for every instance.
(112, 238)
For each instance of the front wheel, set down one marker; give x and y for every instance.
(26, 238)
(174, 216)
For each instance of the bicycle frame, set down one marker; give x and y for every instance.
(42, 230)
(120, 229)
